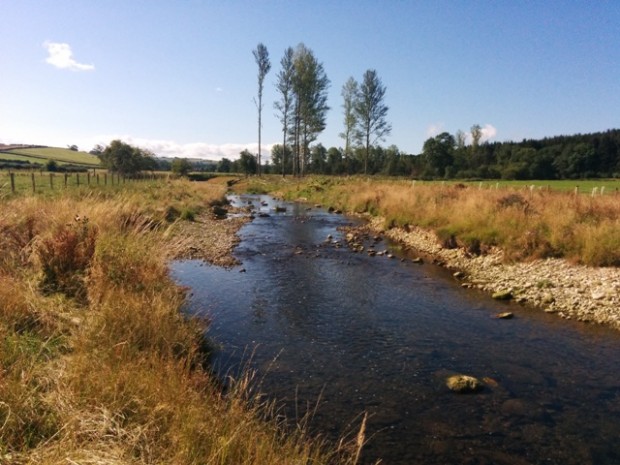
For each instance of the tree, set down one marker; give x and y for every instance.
(181, 166)
(261, 55)
(349, 95)
(371, 112)
(97, 150)
(438, 153)
(310, 84)
(285, 88)
(318, 159)
(247, 163)
(51, 166)
(124, 159)
(334, 161)
(461, 139)
(224, 165)
(281, 158)
(476, 135)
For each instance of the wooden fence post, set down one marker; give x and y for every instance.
(12, 182)
(66, 175)
(34, 187)
(52, 181)
(88, 178)
(77, 177)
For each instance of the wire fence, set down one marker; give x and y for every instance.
(14, 183)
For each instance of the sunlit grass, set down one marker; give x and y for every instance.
(97, 364)
(526, 222)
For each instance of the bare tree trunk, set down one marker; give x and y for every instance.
(260, 107)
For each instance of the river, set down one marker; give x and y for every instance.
(340, 333)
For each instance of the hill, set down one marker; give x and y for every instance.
(37, 155)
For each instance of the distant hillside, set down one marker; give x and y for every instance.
(37, 155)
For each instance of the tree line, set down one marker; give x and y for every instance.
(577, 156)
(444, 156)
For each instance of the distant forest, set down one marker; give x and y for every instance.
(594, 155)
(445, 156)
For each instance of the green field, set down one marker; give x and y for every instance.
(584, 186)
(43, 154)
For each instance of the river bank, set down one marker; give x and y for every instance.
(98, 362)
(552, 250)
(583, 293)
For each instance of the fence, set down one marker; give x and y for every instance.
(20, 182)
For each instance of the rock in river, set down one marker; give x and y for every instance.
(463, 384)
(504, 315)
(502, 295)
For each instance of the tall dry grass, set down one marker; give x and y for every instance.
(96, 363)
(526, 223)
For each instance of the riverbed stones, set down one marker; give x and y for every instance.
(463, 384)
(502, 295)
(504, 316)
(219, 212)
(579, 292)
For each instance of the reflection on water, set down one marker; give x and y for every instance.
(380, 336)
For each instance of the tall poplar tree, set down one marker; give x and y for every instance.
(261, 55)
(310, 84)
(371, 112)
(285, 88)
(349, 96)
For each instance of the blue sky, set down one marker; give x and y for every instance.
(178, 77)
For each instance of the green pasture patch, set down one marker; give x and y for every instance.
(41, 155)
(583, 186)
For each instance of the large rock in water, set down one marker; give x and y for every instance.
(463, 384)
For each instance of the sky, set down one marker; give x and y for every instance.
(179, 77)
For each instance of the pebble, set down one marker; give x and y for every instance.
(554, 285)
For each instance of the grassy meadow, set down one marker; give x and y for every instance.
(54, 184)
(97, 364)
(43, 154)
(526, 222)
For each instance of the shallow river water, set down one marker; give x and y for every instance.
(347, 333)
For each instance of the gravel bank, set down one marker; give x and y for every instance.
(553, 285)
(207, 238)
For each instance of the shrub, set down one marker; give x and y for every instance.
(64, 258)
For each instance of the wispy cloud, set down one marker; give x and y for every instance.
(488, 132)
(434, 129)
(202, 150)
(61, 56)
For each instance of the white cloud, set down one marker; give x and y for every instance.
(170, 148)
(61, 56)
(488, 132)
(434, 129)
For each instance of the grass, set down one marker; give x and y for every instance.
(53, 184)
(584, 186)
(60, 155)
(97, 363)
(527, 223)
